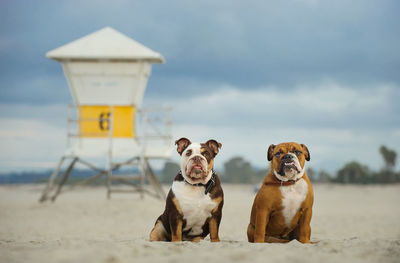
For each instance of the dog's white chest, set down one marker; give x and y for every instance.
(293, 197)
(196, 206)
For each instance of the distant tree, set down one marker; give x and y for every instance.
(169, 171)
(238, 170)
(259, 175)
(389, 157)
(355, 173)
(387, 174)
(324, 177)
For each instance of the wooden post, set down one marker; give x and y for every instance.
(110, 145)
(50, 183)
(154, 182)
(64, 178)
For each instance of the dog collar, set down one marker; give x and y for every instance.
(282, 183)
(208, 185)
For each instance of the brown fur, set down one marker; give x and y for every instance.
(158, 233)
(267, 223)
(210, 165)
(182, 144)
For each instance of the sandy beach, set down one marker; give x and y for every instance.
(350, 224)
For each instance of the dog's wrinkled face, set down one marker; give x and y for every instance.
(197, 159)
(288, 160)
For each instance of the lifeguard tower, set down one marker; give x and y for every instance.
(107, 74)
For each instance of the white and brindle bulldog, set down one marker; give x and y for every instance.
(194, 204)
(282, 208)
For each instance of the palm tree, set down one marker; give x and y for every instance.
(389, 157)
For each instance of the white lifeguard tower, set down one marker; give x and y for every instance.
(107, 75)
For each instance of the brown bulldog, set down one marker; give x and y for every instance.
(282, 208)
(194, 204)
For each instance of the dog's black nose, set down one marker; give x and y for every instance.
(287, 157)
(196, 159)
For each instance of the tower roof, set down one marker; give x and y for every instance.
(106, 43)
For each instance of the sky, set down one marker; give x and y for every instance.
(246, 73)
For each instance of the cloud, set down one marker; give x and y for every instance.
(327, 104)
(273, 43)
(337, 122)
(51, 114)
(30, 144)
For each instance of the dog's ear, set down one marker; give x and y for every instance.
(214, 146)
(270, 153)
(306, 152)
(182, 144)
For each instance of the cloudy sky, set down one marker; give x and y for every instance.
(247, 73)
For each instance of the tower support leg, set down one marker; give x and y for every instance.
(50, 182)
(64, 178)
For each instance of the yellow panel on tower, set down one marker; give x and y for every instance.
(94, 121)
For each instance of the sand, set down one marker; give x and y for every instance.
(350, 224)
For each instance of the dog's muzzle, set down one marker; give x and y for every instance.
(289, 165)
(197, 167)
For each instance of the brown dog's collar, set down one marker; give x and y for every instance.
(282, 183)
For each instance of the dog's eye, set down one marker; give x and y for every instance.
(206, 154)
(278, 154)
(188, 153)
(297, 152)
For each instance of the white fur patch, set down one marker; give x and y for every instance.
(196, 206)
(293, 196)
